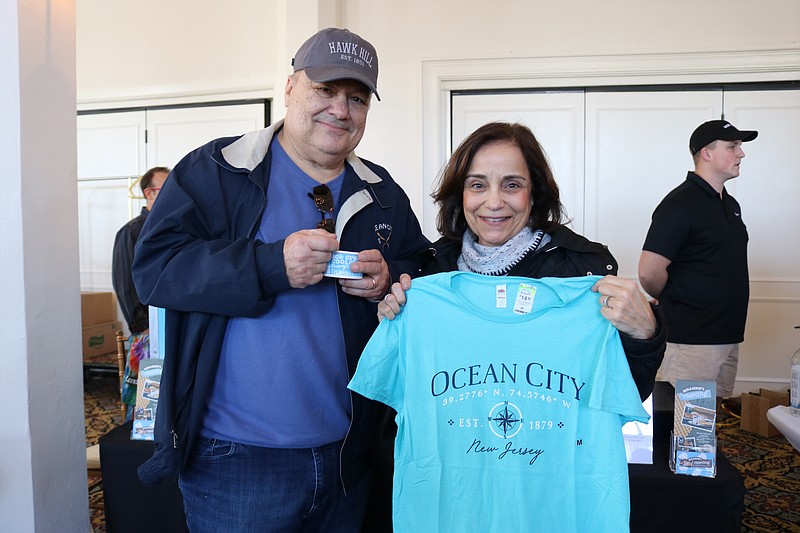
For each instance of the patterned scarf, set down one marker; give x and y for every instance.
(497, 260)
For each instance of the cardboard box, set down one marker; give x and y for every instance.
(100, 339)
(98, 308)
(754, 411)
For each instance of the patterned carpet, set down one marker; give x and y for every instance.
(770, 466)
(101, 409)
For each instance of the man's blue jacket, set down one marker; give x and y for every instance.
(198, 258)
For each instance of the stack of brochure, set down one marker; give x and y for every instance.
(694, 441)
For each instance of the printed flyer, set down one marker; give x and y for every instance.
(144, 413)
(694, 440)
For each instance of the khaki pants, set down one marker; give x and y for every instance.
(701, 362)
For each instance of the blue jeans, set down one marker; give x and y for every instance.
(234, 487)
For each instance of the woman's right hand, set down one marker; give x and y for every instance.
(392, 304)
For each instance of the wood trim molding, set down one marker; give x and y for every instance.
(622, 69)
(177, 97)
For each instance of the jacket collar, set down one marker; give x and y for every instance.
(249, 150)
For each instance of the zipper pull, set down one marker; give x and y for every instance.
(174, 439)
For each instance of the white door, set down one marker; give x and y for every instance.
(173, 133)
(768, 189)
(637, 150)
(556, 120)
(111, 144)
(115, 148)
(111, 153)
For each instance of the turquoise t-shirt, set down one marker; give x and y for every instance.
(510, 395)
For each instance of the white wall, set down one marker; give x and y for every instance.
(131, 49)
(42, 467)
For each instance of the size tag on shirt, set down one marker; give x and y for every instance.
(524, 301)
(501, 296)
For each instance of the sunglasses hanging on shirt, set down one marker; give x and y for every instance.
(323, 199)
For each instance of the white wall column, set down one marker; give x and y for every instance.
(43, 467)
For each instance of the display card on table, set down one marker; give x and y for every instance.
(694, 441)
(147, 392)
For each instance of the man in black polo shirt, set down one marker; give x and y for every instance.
(694, 261)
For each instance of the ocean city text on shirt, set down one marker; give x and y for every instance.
(536, 375)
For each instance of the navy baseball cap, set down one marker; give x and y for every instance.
(338, 54)
(717, 130)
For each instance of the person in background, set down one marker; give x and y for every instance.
(254, 415)
(135, 312)
(500, 214)
(694, 261)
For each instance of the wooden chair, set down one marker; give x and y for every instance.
(121, 361)
(93, 452)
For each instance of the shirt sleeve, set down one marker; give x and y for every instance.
(121, 277)
(193, 255)
(669, 229)
(380, 374)
(613, 388)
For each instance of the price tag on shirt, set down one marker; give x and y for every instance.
(524, 302)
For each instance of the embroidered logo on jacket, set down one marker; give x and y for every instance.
(384, 234)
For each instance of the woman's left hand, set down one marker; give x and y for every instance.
(626, 306)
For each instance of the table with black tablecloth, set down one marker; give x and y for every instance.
(661, 501)
(131, 506)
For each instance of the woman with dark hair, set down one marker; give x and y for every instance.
(500, 214)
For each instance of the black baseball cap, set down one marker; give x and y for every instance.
(717, 130)
(338, 54)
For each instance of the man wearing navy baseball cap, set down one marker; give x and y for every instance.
(254, 415)
(694, 261)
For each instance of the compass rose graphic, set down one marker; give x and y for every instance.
(505, 420)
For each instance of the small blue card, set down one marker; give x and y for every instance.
(339, 265)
